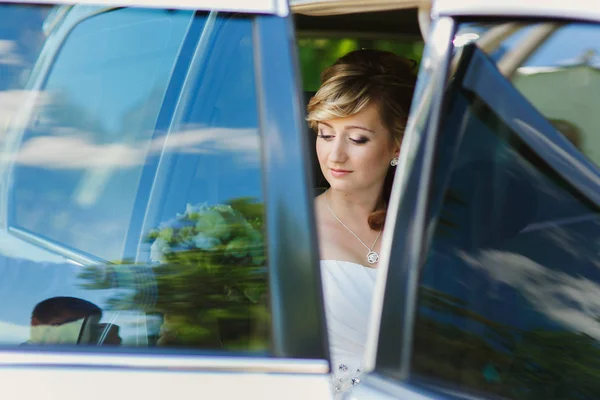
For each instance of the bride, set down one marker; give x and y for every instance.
(359, 114)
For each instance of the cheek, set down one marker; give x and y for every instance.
(374, 162)
(373, 157)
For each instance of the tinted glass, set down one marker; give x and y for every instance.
(132, 211)
(509, 292)
(81, 158)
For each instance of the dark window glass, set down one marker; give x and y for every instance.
(509, 293)
(132, 209)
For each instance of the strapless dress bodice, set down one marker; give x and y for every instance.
(348, 293)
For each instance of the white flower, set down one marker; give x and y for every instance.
(212, 227)
(201, 241)
(212, 223)
(194, 209)
(158, 250)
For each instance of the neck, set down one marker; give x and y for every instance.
(353, 207)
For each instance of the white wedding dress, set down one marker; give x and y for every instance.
(348, 292)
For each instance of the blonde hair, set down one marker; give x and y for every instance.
(360, 78)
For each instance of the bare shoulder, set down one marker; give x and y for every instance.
(326, 229)
(320, 215)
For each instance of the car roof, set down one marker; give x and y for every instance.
(563, 9)
(380, 24)
(336, 7)
(277, 7)
(367, 18)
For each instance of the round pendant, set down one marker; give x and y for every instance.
(372, 257)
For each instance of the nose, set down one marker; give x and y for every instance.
(338, 152)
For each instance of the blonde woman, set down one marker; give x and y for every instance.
(359, 114)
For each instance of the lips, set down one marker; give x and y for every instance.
(339, 173)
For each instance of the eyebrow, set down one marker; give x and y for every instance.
(350, 127)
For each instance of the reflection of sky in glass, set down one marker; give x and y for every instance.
(105, 90)
(566, 45)
(222, 120)
(21, 38)
(133, 54)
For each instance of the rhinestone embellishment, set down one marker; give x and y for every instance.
(343, 367)
(355, 381)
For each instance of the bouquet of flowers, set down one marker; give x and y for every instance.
(212, 272)
(218, 229)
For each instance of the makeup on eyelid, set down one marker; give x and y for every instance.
(360, 140)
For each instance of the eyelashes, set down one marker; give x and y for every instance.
(325, 137)
(360, 140)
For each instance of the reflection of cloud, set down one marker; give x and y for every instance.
(66, 149)
(565, 240)
(572, 301)
(213, 140)
(11, 101)
(8, 54)
(76, 152)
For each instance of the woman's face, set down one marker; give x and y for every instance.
(355, 152)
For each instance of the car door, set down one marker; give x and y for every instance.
(491, 286)
(156, 221)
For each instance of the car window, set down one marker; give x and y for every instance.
(132, 190)
(81, 157)
(508, 291)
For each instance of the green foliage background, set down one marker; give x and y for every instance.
(316, 54)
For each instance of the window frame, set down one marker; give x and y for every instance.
(276, 7)
(298, 329)
(389, 347)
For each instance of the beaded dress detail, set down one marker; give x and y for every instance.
(348, 292)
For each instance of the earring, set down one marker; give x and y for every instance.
(394, 161)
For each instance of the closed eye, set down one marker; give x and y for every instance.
(325, 137)
(361, 140)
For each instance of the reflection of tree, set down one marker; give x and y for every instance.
(211, 283)
(506, 361)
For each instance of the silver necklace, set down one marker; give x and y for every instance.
(372, 256)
